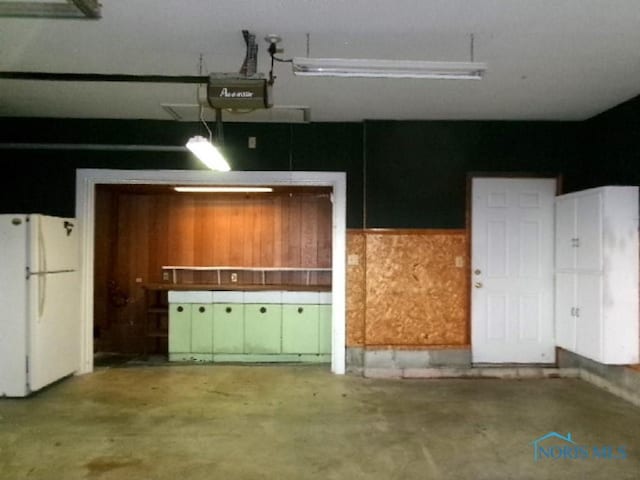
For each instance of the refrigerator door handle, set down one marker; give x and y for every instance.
(42, 295)
(42, 257)
(42, 267)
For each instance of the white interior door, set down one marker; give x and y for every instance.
(512, 270)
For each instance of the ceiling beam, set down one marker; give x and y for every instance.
(104, 77)
(78, 9)
(90, 8)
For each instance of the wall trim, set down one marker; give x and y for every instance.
(87, 179)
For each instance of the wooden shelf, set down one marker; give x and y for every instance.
(218, 269)
(234, 287)
(156, 322)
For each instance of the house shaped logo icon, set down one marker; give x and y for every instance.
(537, 441)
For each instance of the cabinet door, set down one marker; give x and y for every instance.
(589, 232)
(589, 315)
(228, 328)
(201, 328)
(179, 328)
(565, 311)
(300, 328)
(324, 327)
(565, 233)
(262, 328)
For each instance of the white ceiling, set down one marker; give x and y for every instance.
(548, 59)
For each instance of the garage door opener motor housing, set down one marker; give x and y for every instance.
(237, 92)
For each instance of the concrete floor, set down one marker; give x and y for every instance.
(301, 422)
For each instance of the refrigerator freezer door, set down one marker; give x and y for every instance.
(13, 299)
(53, 244)
(54, 327)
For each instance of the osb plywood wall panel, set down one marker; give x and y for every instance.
(355, 289)
(416, 295)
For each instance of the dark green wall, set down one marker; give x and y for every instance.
(416, 172)
(616, 136)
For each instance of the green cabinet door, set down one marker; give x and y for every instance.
(179, 328)
(228, 328)
(300, 328)
(324, 328)
(262, 328)
(201, 328)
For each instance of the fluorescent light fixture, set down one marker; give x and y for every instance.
(208, 154)
(370, 68)
(223, 189)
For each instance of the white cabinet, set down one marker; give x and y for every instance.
(579, 231)
(596, 301)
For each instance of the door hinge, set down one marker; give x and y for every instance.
(27, 364)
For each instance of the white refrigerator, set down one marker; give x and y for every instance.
(39, 302)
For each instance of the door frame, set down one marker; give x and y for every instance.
(469, 204)
(87, 179)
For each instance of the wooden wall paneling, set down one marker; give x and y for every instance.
(294, 238)
(182, 232)
(221, 245)
(121, 295)
(139, 260)
(324, 237)
(415, 293)
(149, 230)
(356, 293)
(248, 241)
(309, 232)
(159, 232)
(266, 232)
(103, 254)
(278, 238)
(236, 226)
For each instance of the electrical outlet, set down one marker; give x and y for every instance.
(234, 277)
(251, 143)
(459, 262)
(138, 280)
(165, 276)
(353, 260)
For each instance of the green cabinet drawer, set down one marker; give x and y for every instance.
(179, 328)
(262, 328)
(324, 328)
(201, 328)
(300, 328)
(228, 328)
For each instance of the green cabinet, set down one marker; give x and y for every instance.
(202, 330)
(324, 329)
(300, 328)
(228, 328)
(250, 326)
(179, 331)
(262, 328)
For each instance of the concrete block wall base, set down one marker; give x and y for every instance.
(471, 372)
(619, 380)
(361, 359)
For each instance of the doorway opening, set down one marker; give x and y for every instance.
(149, 209)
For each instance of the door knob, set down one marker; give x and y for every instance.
(477, 284)
(477, 271)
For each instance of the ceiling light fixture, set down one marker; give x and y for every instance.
(204, 149)
(370, 68)
(207, 153)
(223, 189)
